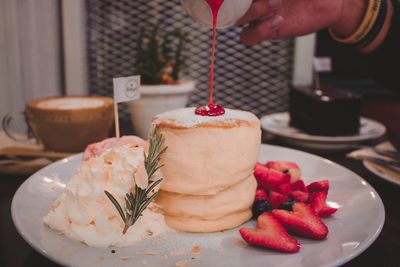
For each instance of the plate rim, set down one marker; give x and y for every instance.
(13, 212)
(382, 212)
(370, 168)
(321, 138)
(356, 252)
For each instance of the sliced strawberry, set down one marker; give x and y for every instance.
(287, 167)
(302, 221)
(281, 165)
(299, 186)
(261, 195)
(295, 174)
(275, 178)
(270, 234)
(261, 174)
(326, 211)
(276, 199)
(260, 171)
(318, 200)
(270, 164)
(284, 189)
(269, 178)
(318, 186)
(299, 196)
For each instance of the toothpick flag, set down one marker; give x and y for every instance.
(322, 64)
(125, 89)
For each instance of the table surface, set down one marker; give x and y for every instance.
(14, 251)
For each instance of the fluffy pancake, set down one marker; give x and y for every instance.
(193, 224)
(207, 154)
(209, 207)
(208, 169)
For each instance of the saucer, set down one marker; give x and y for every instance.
(382, 172)
(278, 124)
(388, 174)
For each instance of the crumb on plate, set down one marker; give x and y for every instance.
(196, 250)
(181, 263)
(150, 252)
(177, 252)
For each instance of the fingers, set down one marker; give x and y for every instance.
(263, 11)
(259, 10)
(267, 29)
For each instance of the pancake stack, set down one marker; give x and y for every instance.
(208, 169)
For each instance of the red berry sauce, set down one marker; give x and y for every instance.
(212, 109)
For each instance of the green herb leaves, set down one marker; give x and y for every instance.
(136, 202)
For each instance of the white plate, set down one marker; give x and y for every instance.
(352, 229)
(278, 124)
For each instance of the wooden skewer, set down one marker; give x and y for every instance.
(317, 81)
(116, 118)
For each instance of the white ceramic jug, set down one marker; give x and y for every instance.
(230, 12)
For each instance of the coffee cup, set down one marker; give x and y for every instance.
(63, 124)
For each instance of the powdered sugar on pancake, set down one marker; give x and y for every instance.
(187, 118)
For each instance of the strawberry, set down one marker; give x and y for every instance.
(281, 165)
(326, 211)
(269, 178)
(299, 186)
(276, 199)
(270, 164)
(270, 234)
(288, 167)
(277, 178)
(302, 221)
(299, 196)
(284, 189)
(322, 185)
(318, 200)
(261, 195)
(260, 171)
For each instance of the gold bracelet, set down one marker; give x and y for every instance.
(366, 24)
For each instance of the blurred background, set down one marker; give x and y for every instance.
(76, 47)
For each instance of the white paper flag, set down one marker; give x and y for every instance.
(322, 64)
(126, 89)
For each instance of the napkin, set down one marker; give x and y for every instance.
(23, 158)
(388, 172)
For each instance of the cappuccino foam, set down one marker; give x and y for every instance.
(70, 103)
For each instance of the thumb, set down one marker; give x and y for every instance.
(267, 29)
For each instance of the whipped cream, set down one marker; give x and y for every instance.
(95, 149)
(187, 118)
(83, 212)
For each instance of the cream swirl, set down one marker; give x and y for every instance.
(84, 212)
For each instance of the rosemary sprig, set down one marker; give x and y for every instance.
(136, 202)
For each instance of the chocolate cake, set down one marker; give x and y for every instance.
(328, 111)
